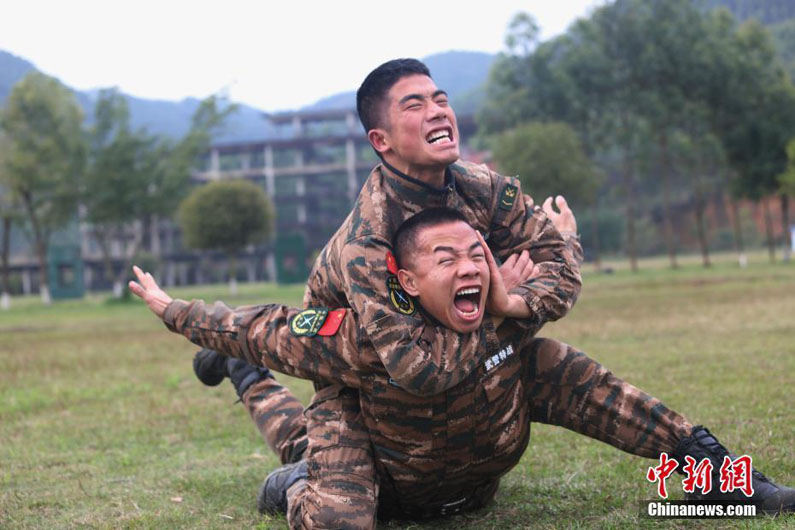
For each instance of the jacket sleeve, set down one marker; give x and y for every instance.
(553, 292)
(422, 358)
(260, 335)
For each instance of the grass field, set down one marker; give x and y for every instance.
(103, 424)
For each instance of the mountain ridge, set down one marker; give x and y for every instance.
(458, 72)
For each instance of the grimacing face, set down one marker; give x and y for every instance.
(448, 273)
(420, 131)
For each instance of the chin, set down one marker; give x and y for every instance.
(466, 327)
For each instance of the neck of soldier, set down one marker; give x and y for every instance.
(431, 175)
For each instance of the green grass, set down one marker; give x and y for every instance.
(103, 424)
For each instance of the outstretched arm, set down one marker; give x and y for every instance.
(320, 345)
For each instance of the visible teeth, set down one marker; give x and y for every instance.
(471, 290)
(439, 135)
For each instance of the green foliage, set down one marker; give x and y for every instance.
(549, 161)
(122, 166)
(787, 178)
(226, 215)
(633, 80)
(45, 153)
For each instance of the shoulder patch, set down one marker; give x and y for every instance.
(308, 322)
(508, 196)
(332, 323)
(400, 298)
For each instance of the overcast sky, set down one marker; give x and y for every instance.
(274, 55)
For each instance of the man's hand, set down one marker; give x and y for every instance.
(499, 302)
(156, 298)
(516, 269)
(563, 221)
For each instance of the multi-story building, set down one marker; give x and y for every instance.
(312, 169)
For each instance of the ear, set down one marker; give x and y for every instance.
(379, 139)
(407, 281)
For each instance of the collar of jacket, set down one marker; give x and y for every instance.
(449, 181)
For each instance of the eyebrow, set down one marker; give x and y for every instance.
(451, 250)
(420, 97)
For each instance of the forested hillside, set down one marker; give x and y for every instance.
(461, 73)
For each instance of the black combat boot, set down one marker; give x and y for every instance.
(211, 368)
(768, 497)
(272, 497)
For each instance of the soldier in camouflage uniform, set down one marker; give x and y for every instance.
(431, 455)
(422, 358)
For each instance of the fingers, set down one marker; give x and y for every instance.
(139, 273)
(561, 203)
(509, 263)
(528, 202)
(146, 280)
(547, 207)
(136, 289)
(529, 270)
(521, 262)
(493, 269)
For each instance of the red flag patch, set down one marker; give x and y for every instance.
(332, 323)
(391, 263)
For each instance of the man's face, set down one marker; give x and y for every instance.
(419, 125)
(448, 272)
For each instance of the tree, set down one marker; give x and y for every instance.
(133, 178)
(45, 158)
(121, 165)
(226, 215)
(9, 213)
(787, 182)
(549, 161)
(763, 106)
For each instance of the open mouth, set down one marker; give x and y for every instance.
(467, 302)
(443, 136)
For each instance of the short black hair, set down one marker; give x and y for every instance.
(403, 242)
(371, 95)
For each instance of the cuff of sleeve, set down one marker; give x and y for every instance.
(533, 301)
(170, 315)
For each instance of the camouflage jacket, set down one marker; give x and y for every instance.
(471, 433)
(352, 271)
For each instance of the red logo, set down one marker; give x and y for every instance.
(736, 475)
(660, 473)
(391, 263)
(698, 476)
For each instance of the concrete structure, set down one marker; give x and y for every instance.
(312, 169)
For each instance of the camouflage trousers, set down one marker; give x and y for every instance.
(563, 387)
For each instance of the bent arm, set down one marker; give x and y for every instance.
(556, 284)
(261, 335)
(422, 358)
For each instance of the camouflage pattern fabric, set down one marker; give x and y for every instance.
(420, 451)
(440, 415)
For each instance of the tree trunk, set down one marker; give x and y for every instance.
(5, 296)
(701, 229)
(668, 231)
(739, 246)
(785, 221)
(232, 273)
(41, 249)
(597, 250)
(104, 247)
(771, 243)
(128, 255)
(630, 191)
